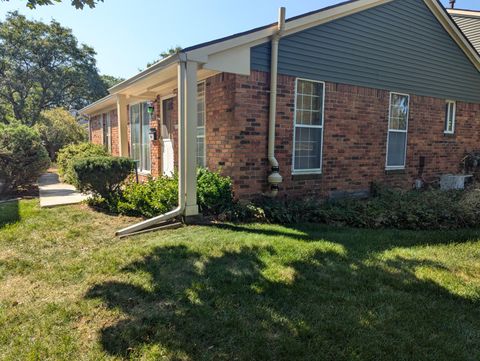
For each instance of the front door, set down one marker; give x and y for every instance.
(167, 136)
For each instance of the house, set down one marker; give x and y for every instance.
(320, 104)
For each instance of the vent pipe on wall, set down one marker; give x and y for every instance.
(274, 179)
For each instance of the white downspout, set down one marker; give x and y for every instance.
(179, 210)
(274, 179)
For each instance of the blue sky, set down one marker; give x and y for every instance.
(127, 34)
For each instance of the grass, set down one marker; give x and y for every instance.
(70, 290)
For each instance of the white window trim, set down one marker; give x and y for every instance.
(108, 123)
(166, 97)
(454, 120)
(204, 121)
(313, 170)
(139, 170)
(396, 167)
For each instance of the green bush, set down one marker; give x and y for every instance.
(149, 198)
(71, 153)
(23, 158)
(102, 176)
(160, 195)
(387, 208)
(215, 192)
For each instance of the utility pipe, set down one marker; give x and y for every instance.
(274, 179)
(179, 210)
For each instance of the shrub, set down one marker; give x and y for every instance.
(160, 195)
(71, 153)
(23, 158)
(432, 209)
(149, 198)
(102, 175)
(58, 128)
(215, 193)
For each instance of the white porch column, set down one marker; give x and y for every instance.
(122, 115)
(191, 207)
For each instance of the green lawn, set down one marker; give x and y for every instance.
(69, 290)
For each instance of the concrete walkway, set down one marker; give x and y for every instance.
(54, 193)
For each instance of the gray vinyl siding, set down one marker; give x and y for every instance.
(398, 46)
(470, 27)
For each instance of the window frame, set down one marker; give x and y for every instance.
(203, 83)
(295, 126)
(141, 112)
(397, 167)
(447, 116)
(106, 120)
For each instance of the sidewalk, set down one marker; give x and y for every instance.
(54, 193)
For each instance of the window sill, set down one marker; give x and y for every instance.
(448, 135)
(395, 171)
(144, 173)
(306, 176)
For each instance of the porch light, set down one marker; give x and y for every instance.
(150, 108)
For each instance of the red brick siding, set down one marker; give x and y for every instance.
(355, 136)
(96, 130)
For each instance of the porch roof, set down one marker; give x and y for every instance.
(232, 53)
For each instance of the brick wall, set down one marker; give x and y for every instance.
(355, 135)
(355, 127)
(96, 135)
(96, 130)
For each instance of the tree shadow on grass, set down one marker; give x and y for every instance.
(328, 305)
(9, 213)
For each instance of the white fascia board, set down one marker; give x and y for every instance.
(439, 11)
(469, 13)
(110, 101)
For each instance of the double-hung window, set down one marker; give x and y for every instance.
(397, 131)
(139, 136)
(450, 110)
(201, 156)
(308, 126)
(107, 131)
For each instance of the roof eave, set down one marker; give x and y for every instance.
(161, 64)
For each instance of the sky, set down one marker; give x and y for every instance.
(127, 34)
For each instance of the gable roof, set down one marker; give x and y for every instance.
(236, 48)
(469, 22)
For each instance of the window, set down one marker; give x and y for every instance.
(397, 131)
(201, 157)
(450, 110)
(139, 136)
(308, 126)
(107, 131)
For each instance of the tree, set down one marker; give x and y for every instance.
(58, 128)
(42, 66)
(79, 4)
(110, 80)
(23, 157)
(172, 50)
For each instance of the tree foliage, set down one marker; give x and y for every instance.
(79, 4)
(23, 158)
(57, 128)
(166, 54)
(42, 66)
(110, 80)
